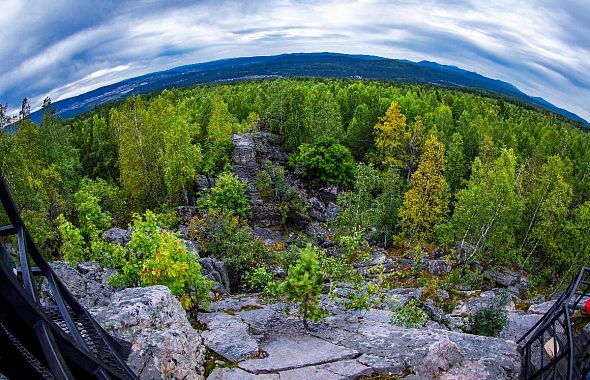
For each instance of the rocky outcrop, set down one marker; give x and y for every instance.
(117, 236)
(87, 282)
(163, 343)
(346, 345)
(513, 281)
(215, 270)
(246, 167)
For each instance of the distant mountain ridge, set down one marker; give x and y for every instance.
(331, 65)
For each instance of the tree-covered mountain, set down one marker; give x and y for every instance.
(330, 65)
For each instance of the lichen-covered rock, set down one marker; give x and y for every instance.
(88, 283)
(215, 270)
(474, 304)
(348, 345)
(164, 344)
(117, 236)
(518, 324)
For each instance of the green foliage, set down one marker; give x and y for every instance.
(272, 186)
(489, 209)
(261, 280)
(157, 256)
(227, 238)
(491, 319)
(372, 205)
(73, 247)
(325, 161)
(408, 315)
(303, 285)
(228, 195)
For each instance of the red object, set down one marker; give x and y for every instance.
(587, 306)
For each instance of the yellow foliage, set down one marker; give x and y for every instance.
(390, 135)
(426, 201)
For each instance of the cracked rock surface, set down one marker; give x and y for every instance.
(268, 342)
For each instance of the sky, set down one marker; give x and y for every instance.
(63, 48)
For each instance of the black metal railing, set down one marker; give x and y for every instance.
(51, 340)
(555, 348)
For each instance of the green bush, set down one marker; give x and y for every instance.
(304, 284)
(490, 320)
(229, 239)
(228, 195)
(408, 315)
(261, 280)
(325, 161)
(158, 257)
(272, 186)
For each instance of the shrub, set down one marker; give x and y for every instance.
(490, 320)
(272, 186)
(408, 315)
(228, 195)
(73, 247)
(261, 280)
(303, 285)
(227, 238)
(158, 256)
(326, 161)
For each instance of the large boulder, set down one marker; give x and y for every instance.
(478, 301)
(163, 343)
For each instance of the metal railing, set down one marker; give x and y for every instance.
(554, 348)
(56, 341)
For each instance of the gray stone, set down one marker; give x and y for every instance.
(341, 370)
(164, 344)
(350, 344)
(215, 270)
(440, 357)
(268, 235)
(87, 283)
(289, 352)
(117, 236)
(238, 374)
(474, 304)
(186, 213)
(541, 308)
(228, 336)
(236, 303)
(316, 204)
(514, 281)
(518, 324)
(332, 210)
(438, 267)
(382, 364)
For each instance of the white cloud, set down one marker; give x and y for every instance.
(532, 45)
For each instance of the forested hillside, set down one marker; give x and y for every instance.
(490, 182)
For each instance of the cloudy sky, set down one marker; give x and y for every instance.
(62, 48)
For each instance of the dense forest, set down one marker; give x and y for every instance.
(491, 182)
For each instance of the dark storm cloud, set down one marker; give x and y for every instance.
(65, 47)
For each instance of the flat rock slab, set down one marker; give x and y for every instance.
(238, 374)
(228, 336)
(289, 352)
(341, 370)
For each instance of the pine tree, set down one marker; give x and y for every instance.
(304, 284)
(425, 204)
